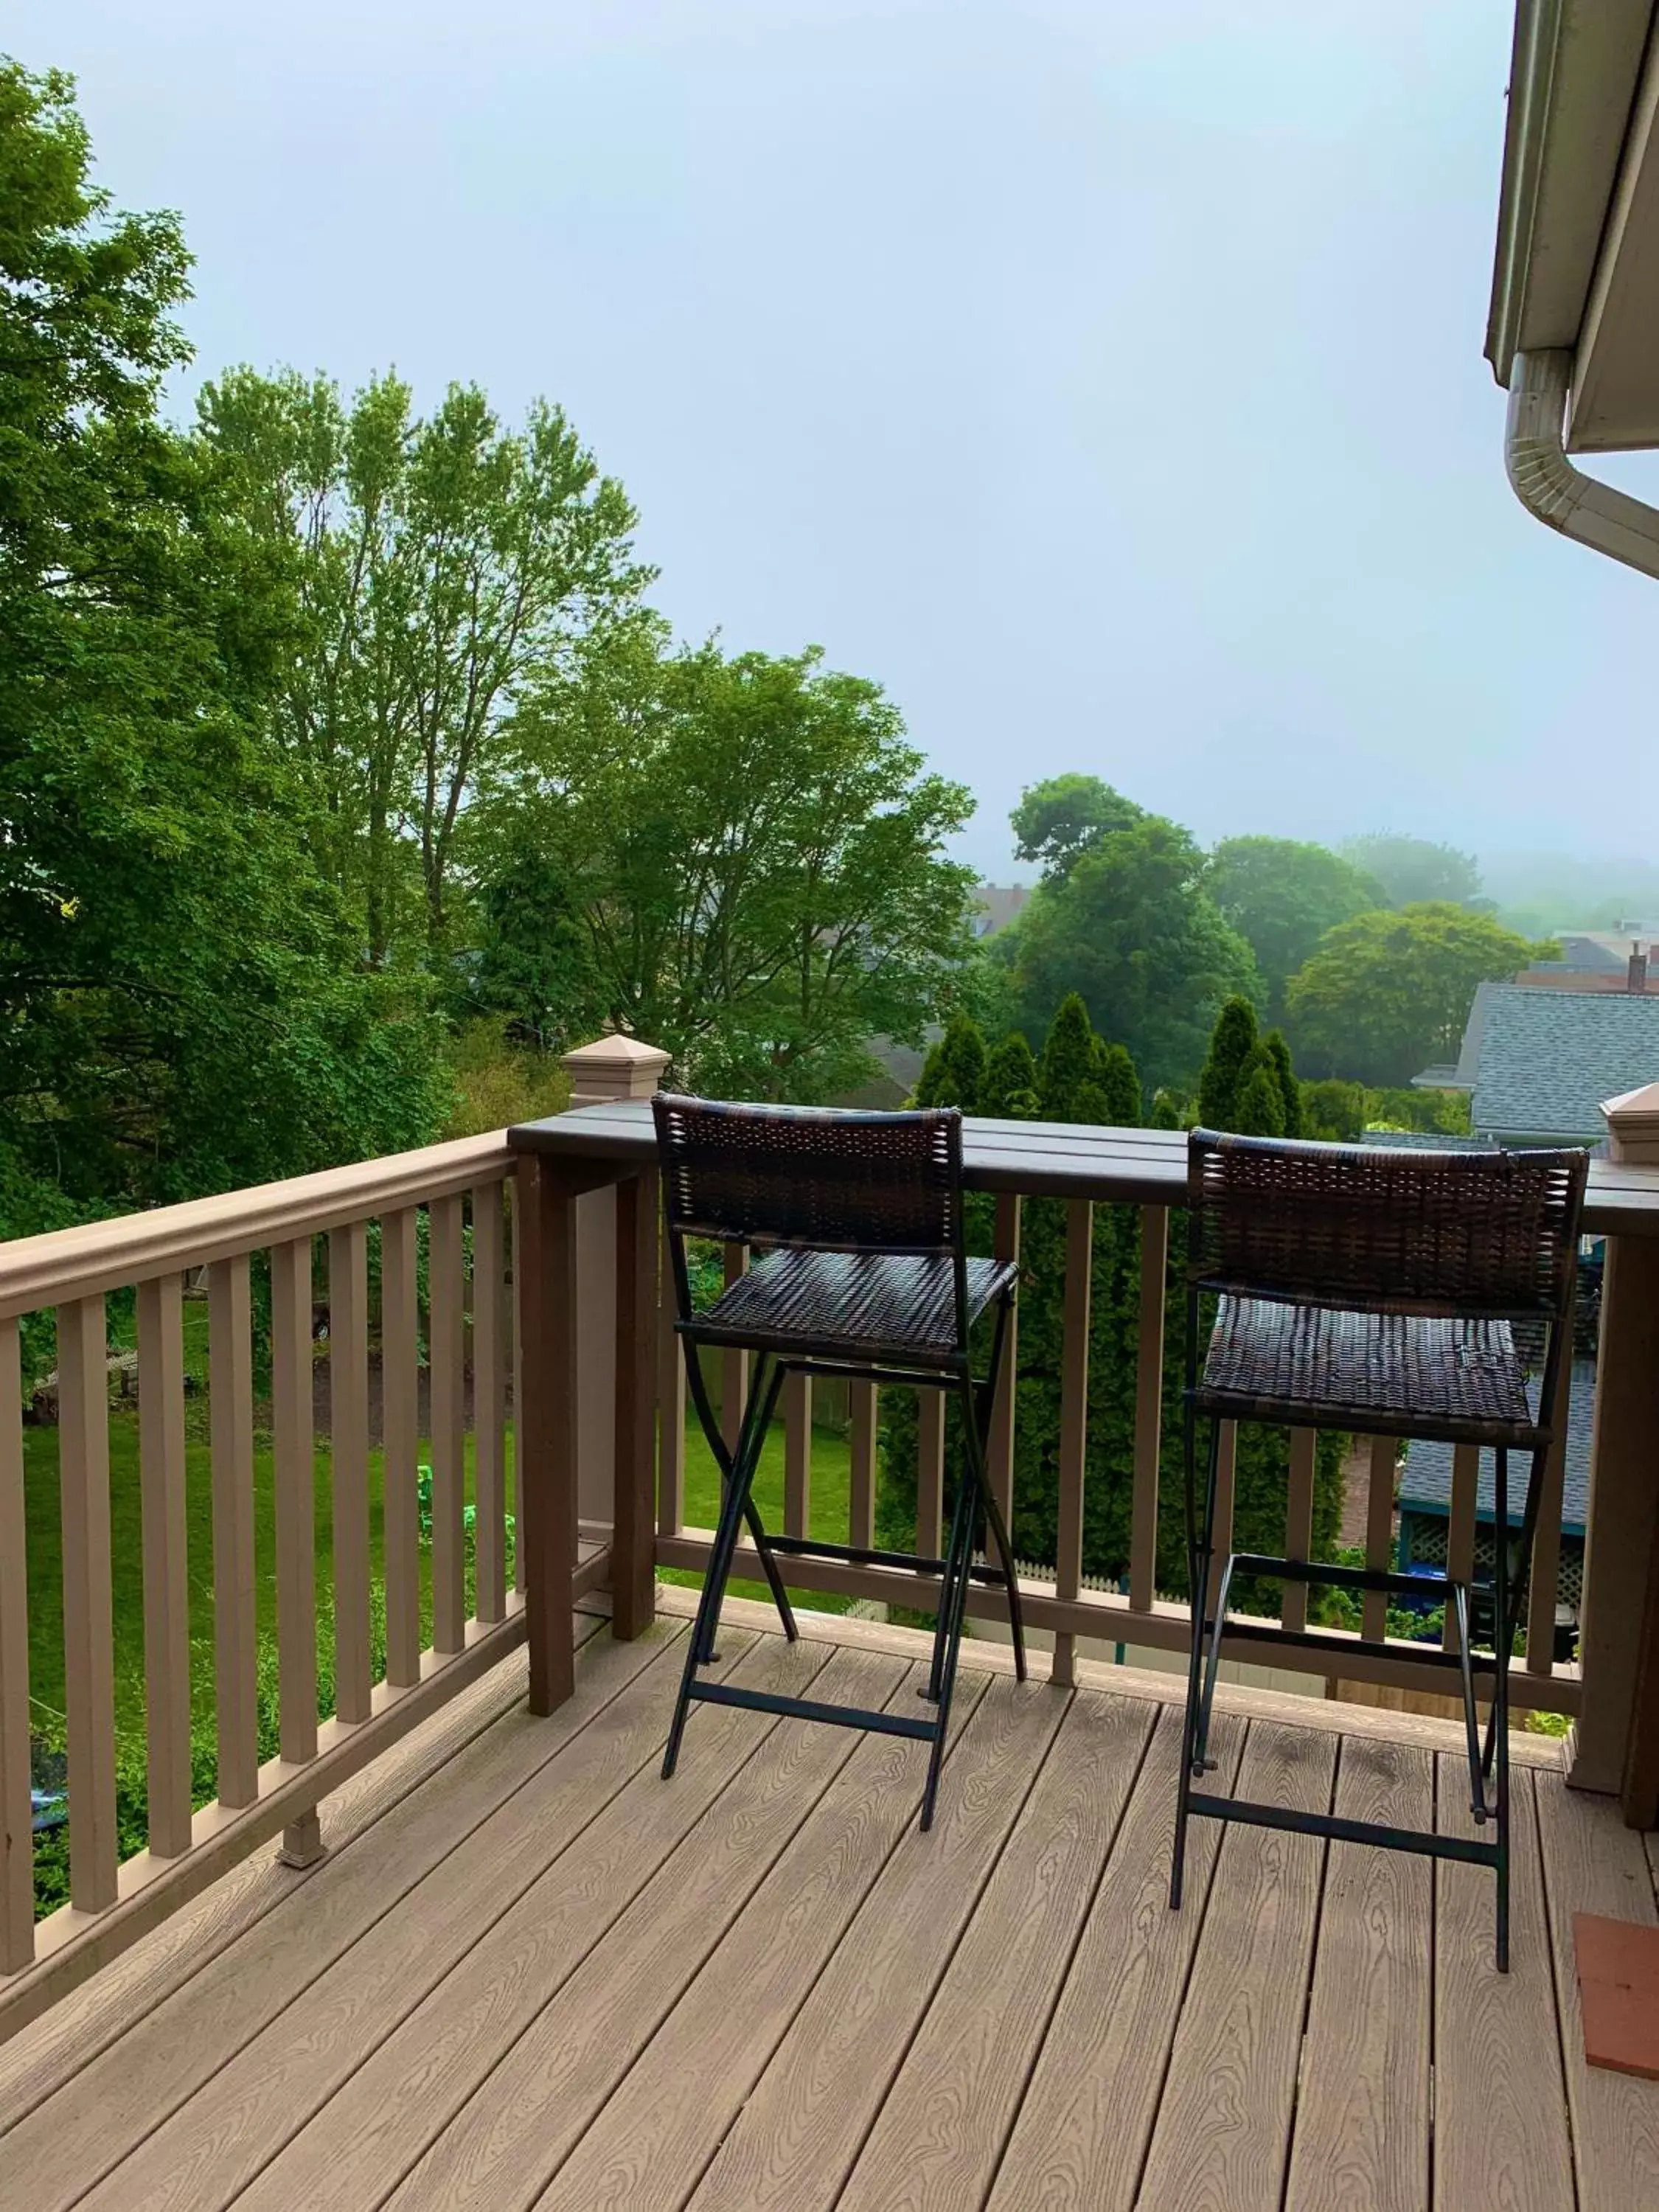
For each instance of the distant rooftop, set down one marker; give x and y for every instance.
(1546, 1060)
(1425, 1485)
(998, 905)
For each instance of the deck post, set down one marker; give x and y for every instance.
(1615, 1744)
(608, 1278)
(547, 1422)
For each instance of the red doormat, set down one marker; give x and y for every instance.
(1619, 1993)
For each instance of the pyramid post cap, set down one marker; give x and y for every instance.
(615, 1067)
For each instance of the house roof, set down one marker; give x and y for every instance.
(997, 905)
(1546, 1060)
(1425, 1485)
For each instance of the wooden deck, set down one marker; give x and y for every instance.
(529, 1973)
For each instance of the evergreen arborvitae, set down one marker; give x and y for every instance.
(1068, 1060)
(953, 1074)
(1010, 1090)
(1114, 1072)
(1261, 1112)
(1296, 1123)
(1231, 1043)
(1165, 1114)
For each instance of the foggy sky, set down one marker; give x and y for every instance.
(1104, 380)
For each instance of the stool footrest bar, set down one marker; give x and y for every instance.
(1342, 1831)
(811, 1709)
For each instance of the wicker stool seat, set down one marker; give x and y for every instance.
(1367, 1289)
(1430, 1376)
(860, 1270)
(890, 1306)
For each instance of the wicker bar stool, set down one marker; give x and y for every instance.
(862, 1274)
(1375, 1291)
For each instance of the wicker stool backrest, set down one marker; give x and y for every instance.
(1378, 1230)
(812, 1175)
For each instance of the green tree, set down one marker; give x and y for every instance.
(1232, 1044)
(1281, 897)
(531, 963)
(758, 853)
(1388, 993)
(1261, 1110)
(1057, 821)
(1132, 930)
(953, 1074)
(1415, 870)
(1011, 1088)
(182, 1005)
(440, 564)
(1289, 1089)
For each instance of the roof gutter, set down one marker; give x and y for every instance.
(1547, 484)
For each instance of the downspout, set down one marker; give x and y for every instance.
(1548, 485)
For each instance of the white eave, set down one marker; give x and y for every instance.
(1577, 260)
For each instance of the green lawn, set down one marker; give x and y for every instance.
(827, 1499)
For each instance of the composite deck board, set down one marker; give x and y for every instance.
(69, 2143)
(1080, 2140)
(1224, 2120)
(516, 1991)
(807, 2120)
(216, 2145)
(530, 1972)
(64, 2041)
(559, 2078)
(941, 2130)
(1500, 2125)
(1592, 1864)
(1362, 2116)
(680, 2100)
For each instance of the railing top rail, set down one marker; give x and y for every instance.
(132, 1248)
(1062, 1159)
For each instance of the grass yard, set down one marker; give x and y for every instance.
(829, 1502)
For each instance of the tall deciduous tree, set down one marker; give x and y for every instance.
(1388, 993)
(1132, 929)
(1281, 897)
(1057, 821)
(440, 563)
(757, 854)
(1415, 870)
(180, 1002)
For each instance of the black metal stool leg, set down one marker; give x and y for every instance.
(1198, 1565)
(701, 1650)
(979, 1458)
(949, 1638)
(724, 1460)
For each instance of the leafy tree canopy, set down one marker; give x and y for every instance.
(1055, 823)
(1387, 993)
(1415, 870)
(757, 852)
(1133, 932)
(1282, 896)
(181, 1009)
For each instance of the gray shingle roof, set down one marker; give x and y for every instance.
(1547, 1059)
(1425, 1484)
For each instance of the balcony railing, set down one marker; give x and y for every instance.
(542, 1264)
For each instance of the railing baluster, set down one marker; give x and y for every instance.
(348, 1394)
(1298, 1525)
(1000, 1460)
(446, 1349)
(930, 1473)
(488, 1408)
(797, 1455)
(400, 1428)
(1221, 1535)
(1460, 1530)
(16, 1838)
(671, 1400)
(734, 1365)
(166, 1561)
(294, 1451)
(235, 1633)
(88, 1620)
(1073, 1420)
(1541, 1591)
(515, 1320)
(1379, 1535)
(1149, 1406)
(862, 1445)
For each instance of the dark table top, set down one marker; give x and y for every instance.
(1057, 1159)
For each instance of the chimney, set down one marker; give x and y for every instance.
(1637, 980)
